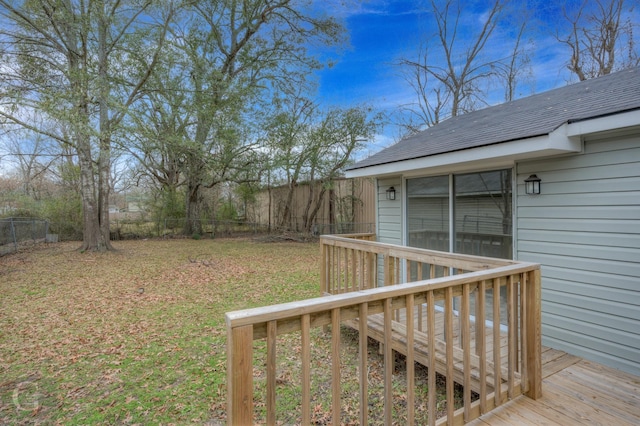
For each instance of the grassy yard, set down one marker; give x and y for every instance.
(138, 336)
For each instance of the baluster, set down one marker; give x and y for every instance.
(481, 343)
(431, 337)
(272, 334)
(512, 335)
(339, 269)
(388, 363)
(364, 378)
(346, 269)
(448, 329)
(410, 361)
(524, 379)
(497, 361)
(305, 341)
(466, 346)
(419, 278)
(335, 366)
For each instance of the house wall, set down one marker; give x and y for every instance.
(584, 228)
(389, 224)
(389, 216)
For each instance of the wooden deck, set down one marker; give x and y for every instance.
(574, 392)
(452, 332)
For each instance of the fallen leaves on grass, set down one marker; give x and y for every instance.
(94, 349)
(106, 352)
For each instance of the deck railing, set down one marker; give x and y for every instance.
(474, 320)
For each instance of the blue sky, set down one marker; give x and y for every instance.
(379, 35)
(383, 31)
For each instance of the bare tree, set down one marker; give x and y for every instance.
(33, 155)
(158, 136)
(454, 73)
(432, 99)
(290, 146)
(453, 84)
(511, 70)
(600, 41)
(336, 138)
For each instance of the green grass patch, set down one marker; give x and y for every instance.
(138, 336)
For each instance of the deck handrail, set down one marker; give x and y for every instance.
(493, 379)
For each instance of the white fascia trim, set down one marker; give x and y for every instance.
(498, 155)
(604, 124)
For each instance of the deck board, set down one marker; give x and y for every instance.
(612, 381)
(580, 394)
(559, 361)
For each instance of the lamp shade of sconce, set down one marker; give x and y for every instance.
(391, 193)
(532, 185)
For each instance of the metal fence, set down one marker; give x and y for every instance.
(16, 232)
(211, 229)
(238, 228)
(343, 228)
(180, 227)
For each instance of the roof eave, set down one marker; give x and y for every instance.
(498, 155)
(565, 139)
(605, 123)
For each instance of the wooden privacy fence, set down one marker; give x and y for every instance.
(474, 320)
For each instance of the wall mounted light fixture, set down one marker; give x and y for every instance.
(391, 193)
(532, 185)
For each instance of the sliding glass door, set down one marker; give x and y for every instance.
(428, 212)
(478, 204)
(483, 214)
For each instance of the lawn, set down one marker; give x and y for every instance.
(135, 336)
(138, 336)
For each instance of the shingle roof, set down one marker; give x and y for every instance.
(528, 117)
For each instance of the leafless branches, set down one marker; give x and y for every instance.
(600, 41)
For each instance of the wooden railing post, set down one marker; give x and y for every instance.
(534, 334)
(324, 265)
(240, 375)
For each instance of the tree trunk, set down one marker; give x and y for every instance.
(193, 223)
(314, 213)
(90, 224)
(95, 197)
(285, 219)
(306, 223)
(104, 189)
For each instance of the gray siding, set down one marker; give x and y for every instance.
(390, 212)
(389, 217)
(584, 228)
